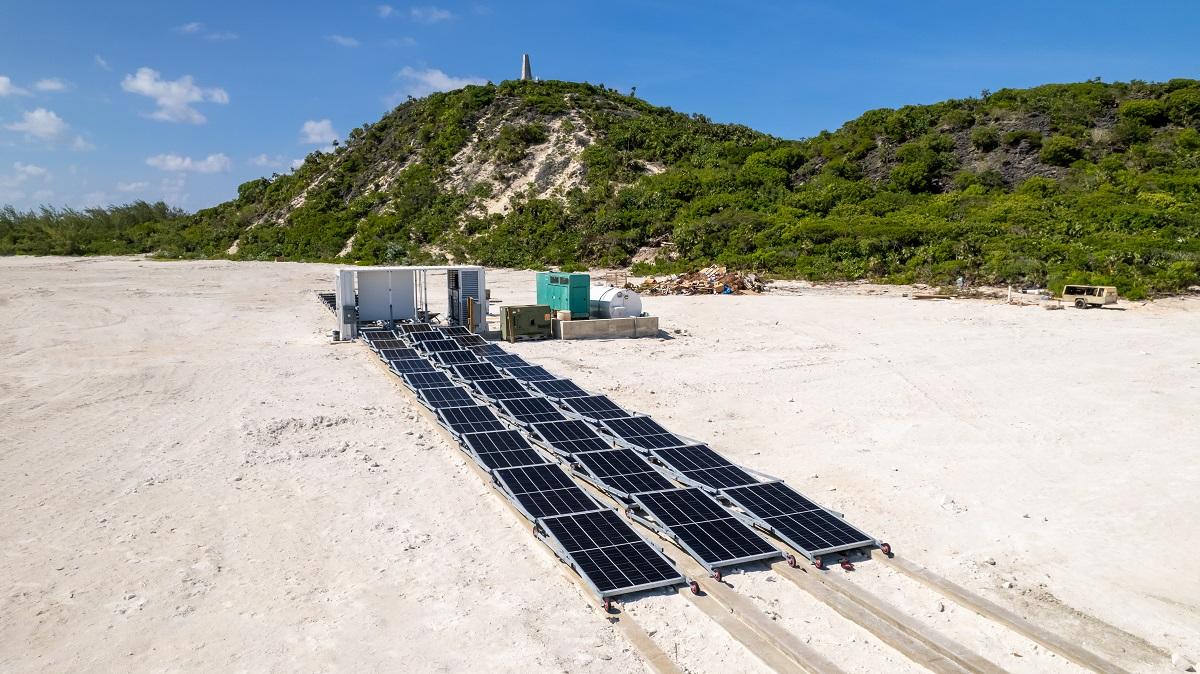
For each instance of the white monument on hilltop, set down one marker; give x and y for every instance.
(526, 69)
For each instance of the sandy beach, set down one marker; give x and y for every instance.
(195, 479)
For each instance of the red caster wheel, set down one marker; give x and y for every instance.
(846, 565)
(716, 574)
(608, 605)
(791, 561)
(695, 586)
(819, 563)
(886, 548)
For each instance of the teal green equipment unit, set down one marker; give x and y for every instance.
(565, 292)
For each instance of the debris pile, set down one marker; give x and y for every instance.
(708, 281)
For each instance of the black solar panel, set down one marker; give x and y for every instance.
(454, 357)
(623, 470)
(559, 388)
(487, 350)
(424, 336)
(470, 419)
(532, 410)
(414, 327)
(570, 437)
(507, 360)
(531, 373)
(545, 490)
(411, 365)
(796, 519)
(420, 380)
(451, 396)
(609, 553)
(453, 330)
(398, 354)
(643, 432)
(501, 389)
(470, 340)
(477, 371)
(595, 407)
(502, 449)
(376, 335)
(437, 345)
(704, 466)
(381, 344)
(704, 528)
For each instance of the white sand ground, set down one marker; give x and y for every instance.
(193, 479)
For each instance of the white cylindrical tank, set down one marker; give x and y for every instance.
(611, 302)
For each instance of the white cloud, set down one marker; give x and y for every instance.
(318, 132)
(41, 123)
(197, 28)
(221, 36)
(81, 145)
(173, 97)
(267, 161)
(7, 88)
(342, 40)
(192, 27)
(297, 163)
(430, 14)
(132, 187)
(42, 195)
(31, 170)
(173, 189)
(94, 199)
(52, 84)
(385, 11)
(425, 82)
(213, 163)
(101, 62)
(22, 174)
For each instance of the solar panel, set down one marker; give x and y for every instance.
(797, 520)
(569, 437)
(531, 373)
(375, 335)
(420, 380)
(470, 340)
(508, 360)
(392, 343)
(595, 407)
(623, 470)
(643, 432)
(398, 354)
(414, 327)
(437, 345)
(705, 529)
(470, 419)
(477, 371)
(448, 358)
(502, 449)
(451, 396)
(424, 336)
(545, 490)
(487, 350)
(411, 365)
(704, 466)
(559, 388)
(531, 410)
(609, 554)
(500, 389)
(453, 330)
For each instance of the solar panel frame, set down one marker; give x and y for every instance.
(501, 449)
(488, 349)
(544, 490)
(530, 410)
(477, 371)
(619, 472)
(531, 373)
(570, 437)
(596, 408)
(423, 336)
(410, 366)
(420, 380)
(607, 553)
(500, 389)
(470, 340)
(702, 527)
(380, 344)
(507, 360)
(401, 353)
(453, 330)
(452, 358)
(559, 389)
(410, 328)
(699, 465)
(449, 396)
(438, 345)
(470, 419)
(797, 520)
(642, 432)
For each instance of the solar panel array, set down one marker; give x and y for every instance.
(565, 418)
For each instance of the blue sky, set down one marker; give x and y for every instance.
(109, 102)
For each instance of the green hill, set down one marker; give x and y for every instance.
(1082, 182)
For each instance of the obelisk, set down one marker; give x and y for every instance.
(526, 69)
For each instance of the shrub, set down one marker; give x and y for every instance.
(1061, 151)
(1144, 111)
(1015, 139)
(985, 138)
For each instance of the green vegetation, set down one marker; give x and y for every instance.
(1087, 182)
